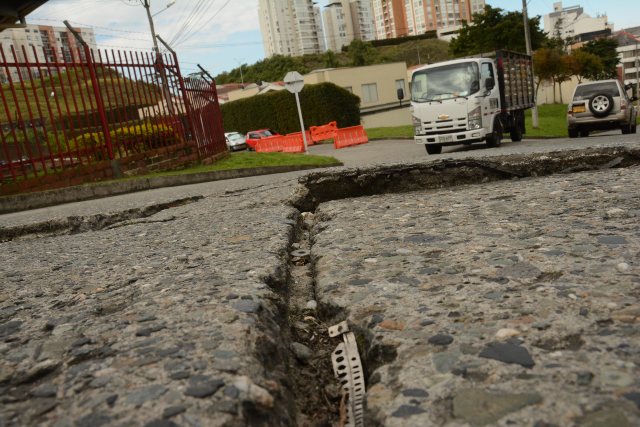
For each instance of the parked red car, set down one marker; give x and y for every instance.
(255, 135)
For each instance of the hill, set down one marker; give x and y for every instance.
(357, 53)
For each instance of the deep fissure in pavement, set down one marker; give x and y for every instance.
(318, 393)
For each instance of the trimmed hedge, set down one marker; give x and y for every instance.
(321, 104)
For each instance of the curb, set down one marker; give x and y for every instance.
(42, 199)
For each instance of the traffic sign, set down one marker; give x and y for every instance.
(293, 81)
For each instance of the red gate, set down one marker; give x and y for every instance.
(76, 115)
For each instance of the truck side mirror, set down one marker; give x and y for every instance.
(489, 83)
(400, 93)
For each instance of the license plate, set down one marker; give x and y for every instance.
(579, 109)
(445, 138)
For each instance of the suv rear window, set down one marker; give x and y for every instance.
(587, 91)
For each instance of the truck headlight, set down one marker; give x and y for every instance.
(475, 118)
(417, 125)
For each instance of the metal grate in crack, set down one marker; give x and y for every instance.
(348, 369)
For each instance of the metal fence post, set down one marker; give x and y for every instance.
(96, 91)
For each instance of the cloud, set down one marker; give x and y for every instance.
(118, 23)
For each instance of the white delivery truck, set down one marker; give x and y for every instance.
(471, 100)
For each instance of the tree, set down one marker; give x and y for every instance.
(584, 64)
(605, 50)
(547, 64)
(362, 53)
(496, 29)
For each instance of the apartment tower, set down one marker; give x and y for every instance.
(290, 27)
(400, 18)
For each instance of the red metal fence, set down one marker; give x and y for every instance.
(61, 110)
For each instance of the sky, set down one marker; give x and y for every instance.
(221, 34)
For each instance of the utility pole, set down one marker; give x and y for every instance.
(166, 93)
(637, 73)
(241, 76)
(527, 39)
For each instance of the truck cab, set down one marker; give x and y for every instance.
(464, 101)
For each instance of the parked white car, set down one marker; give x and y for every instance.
(235, 141)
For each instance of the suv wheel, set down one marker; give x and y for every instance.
(573, 133)
(601, 104)
(584, 133)
(627, 129)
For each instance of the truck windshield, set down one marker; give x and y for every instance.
(448, 81)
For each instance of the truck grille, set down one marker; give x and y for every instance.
(444, 126)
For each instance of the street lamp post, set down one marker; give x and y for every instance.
(166, 93)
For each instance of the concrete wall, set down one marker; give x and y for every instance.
(397, 117)
(546, 91)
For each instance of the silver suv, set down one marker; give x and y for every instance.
(601, 105)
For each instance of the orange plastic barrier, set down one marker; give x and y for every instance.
(293, 143)
(321, 133)
(347, 137)
(270, 144)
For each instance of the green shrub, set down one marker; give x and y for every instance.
(321, 104)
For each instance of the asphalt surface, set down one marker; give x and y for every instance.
(375, 152)
(508, 302)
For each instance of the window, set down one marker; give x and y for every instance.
(349, 88)
(369, 93)
(486, 71)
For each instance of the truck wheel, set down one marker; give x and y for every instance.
(495, 138)
(433, 149)
(626, 129)
(584, 133)
(517, 129)
(573, 133)
(516, 133)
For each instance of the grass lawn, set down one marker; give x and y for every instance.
(552, 121)
(245, 160)
(390, 132)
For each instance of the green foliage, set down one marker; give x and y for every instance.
(605, 50)
(276, 67)
(362, 53)
(416, 52)
(321, 104)
(495, 29)
(584, 64)
(429, 35)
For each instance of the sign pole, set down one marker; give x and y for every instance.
(304, 134)
(294, 83)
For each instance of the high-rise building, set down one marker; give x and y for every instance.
(571, 22)
(41, 44)
(347, 20)
(290, 27)
(399, 18)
